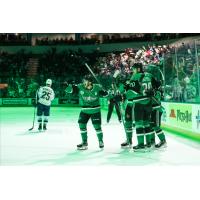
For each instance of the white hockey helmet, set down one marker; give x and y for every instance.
(48, 82)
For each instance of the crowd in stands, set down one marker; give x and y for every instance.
(113, 38)
(62, 67)
(182, 78)
(65, 41)
(123, 61)
(25, 39)
(180, 69)
(178, 66)
(13, 39)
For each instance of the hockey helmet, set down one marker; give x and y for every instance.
(88, 78)
(137, 66)
(48, 82)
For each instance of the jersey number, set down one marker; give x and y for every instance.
(146, 86)
(45, 95)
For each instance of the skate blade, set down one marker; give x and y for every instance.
(162, 147)
(140, 150)
(34, 132)
(148, 149)
(82, 149)
(126, 148)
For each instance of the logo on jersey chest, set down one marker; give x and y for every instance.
(83, 93)
(90, 98)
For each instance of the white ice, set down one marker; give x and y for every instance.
(57, 145)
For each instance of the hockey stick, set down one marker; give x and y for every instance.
(33, 120)
(123, 120)
(92, 73)
(34, 113)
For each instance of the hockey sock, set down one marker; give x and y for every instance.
(39, 119)
(129, 130)
(83, 131)
(140, 136)
(153, 137)
(45, 120)
(84, 135)
(129, 135)
(160, 135)
(148, 134)
(153, 133)
(99, 134)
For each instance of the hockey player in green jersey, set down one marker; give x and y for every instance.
(129, 112)
(139, 92)
(157, 109)
(89, 94)
(132, 87)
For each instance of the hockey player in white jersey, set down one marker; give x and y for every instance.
(44, 96)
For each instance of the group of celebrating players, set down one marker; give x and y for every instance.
(141, 94)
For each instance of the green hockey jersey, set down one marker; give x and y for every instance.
(140, 87)
(88, 99)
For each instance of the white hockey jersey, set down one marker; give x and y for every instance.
(45, 95)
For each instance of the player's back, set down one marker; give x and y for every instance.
(45, 95)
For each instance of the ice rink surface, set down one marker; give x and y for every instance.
(57, 145)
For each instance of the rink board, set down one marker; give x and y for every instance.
(182, 117)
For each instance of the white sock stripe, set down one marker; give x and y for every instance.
(83, 132)
(149, 133)
(152, 132)
(39, 119)
(129, 131)
(98, 132)
(160, 132)
(140, 134)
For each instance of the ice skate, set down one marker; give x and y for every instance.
(139, 148)
(149, 146)
(101, 144)
(40, 127)
(44, 127)
(126, 145)
(82, 146)
(161, 144)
